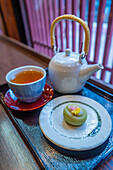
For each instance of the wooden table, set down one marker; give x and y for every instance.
(15, 153)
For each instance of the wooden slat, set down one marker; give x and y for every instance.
(68, 11)
(38, 25)
(90, 22)
(25, 22)
(99, 28)
(9, 19)
(45, 33)
(43, 22)
(55, 13)
(42, 26)
(47, 26)
(61, 12)
(74, 12)
(50, 12)
(32, 22)
(82, 16)
(108, 41)
(2, 25)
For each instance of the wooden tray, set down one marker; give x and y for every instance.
(49, 156)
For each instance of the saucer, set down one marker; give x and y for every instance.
(12, 102)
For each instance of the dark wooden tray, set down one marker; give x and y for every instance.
(49, 156)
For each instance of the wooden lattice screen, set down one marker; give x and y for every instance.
(97, 14)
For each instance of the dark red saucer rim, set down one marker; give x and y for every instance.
(12, 102)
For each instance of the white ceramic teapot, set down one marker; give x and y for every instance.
(68, 71)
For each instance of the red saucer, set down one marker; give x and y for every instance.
(12, 102)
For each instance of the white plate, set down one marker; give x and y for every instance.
(91, 134)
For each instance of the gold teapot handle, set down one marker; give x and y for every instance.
(74, 18)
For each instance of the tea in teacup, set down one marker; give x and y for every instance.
(28, 76)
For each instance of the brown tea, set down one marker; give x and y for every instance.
(27, 77)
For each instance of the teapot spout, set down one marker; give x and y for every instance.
(88, 70)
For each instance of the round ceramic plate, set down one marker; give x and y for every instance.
(91, 134)
(12, 102)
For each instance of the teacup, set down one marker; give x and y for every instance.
(27, 92)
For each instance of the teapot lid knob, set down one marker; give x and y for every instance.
(68, 52)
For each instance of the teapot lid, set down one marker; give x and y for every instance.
(66, 58)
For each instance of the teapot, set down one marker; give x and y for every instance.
(69, 71)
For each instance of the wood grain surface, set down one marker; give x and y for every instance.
(13, 152)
